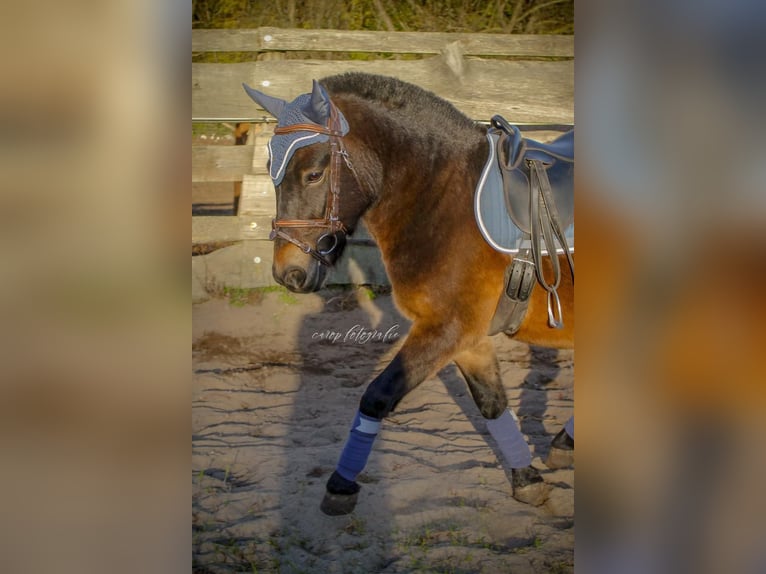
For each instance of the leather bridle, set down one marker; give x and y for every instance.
(334, 238)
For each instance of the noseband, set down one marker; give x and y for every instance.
(334, 238)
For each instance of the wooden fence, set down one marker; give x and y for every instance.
(528, 79)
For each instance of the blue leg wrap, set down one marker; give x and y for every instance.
(569, 427)
(354, 457)
(505, 430)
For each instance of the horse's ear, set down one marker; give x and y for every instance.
(272, 105)
(319, 105)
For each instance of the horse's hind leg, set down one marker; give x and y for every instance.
(561, 453)
(481, 370)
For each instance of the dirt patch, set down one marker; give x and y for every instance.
(275, 386)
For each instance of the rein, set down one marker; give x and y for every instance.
(334, 237)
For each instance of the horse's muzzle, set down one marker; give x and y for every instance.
(302, 274)
(300, 280)
(294, 279)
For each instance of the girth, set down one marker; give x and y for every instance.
(538, 182)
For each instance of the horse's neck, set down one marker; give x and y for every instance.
(408, 183)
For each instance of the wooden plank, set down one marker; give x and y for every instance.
(522, 91)
(255, 226)
(277, 39)
(248, 264)
(223, 228)
(224, 163)
(212, 229)
(218, 229)
(258, 196)
(261, 151)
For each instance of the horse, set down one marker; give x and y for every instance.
(407, 162)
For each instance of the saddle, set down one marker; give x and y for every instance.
(524, 205)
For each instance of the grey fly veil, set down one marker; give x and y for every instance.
(313, 109)
(309, 119)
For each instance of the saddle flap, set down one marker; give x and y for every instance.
(490, 209)
(559, 167)
(502, 197)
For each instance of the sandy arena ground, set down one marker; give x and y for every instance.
(277, 378)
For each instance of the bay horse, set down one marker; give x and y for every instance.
(408, 162)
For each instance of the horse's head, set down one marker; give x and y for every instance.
(319, 200)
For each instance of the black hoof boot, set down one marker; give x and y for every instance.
(561, 453)
(340, 497)
(528, 486)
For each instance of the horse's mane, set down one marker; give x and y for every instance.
(427, 113)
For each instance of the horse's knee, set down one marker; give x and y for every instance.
(376, 403)
(385, 391)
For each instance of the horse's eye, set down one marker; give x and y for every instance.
(314, 176)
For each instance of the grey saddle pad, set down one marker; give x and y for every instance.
(502, 212)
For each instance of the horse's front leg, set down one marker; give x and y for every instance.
(427, 349)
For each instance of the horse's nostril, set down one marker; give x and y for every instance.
(294, 278)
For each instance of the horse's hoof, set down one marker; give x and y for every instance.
(561, 454)
(340, 497)
(338, 504)
(559, 458)
(563, 441)
(528, 486)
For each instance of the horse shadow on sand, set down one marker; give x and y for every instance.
(342, 347)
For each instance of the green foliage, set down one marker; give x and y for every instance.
(288, 298)
(220, 13)
(368, 293)
(241, 296)
(210, 129)
(500, 16)
(237, 296)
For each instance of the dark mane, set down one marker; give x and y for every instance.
(432, 114)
